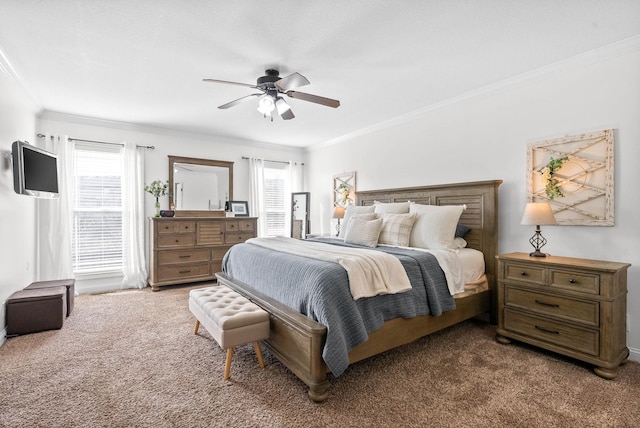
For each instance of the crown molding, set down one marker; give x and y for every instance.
(159, 130)
(595, 56)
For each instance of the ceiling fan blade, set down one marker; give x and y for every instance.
(283, 109)
(294, 80)
(239, 101)
(230, 83)
(314, 99)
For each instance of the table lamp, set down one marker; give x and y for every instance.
(538, 213)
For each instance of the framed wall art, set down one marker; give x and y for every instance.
(575, 175)
(344, 189)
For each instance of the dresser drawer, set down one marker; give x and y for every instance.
(219, 252)
(585, 312)
(183, 256)
(176, 227)
(232, 226)
(167, 273)
(236, 238)
(557, 333)
(247, 225)
(582, 282)
(524, 273)
(210, 233)
(175, 240)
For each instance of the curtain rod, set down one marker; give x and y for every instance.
(267, 160)
(101, 142)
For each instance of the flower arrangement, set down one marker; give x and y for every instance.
(550, 182)
(344, 191)
(157, 188)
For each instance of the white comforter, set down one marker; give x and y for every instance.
(370, 272)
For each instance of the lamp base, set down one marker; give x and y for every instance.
(537, 253)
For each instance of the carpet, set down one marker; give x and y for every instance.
(130, 359)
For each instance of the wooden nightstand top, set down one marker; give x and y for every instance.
(600, 265)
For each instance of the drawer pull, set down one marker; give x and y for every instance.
(185, 271)
(523, 273)
(572, 281)
(185, 257)
(553, 305)
(546, 330)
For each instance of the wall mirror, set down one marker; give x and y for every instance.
(199, 187)
(300, 215)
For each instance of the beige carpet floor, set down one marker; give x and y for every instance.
(130, 359)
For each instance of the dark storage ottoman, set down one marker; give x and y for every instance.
(69, 283)
(31, 311)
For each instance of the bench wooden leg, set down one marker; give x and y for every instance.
(227, 368)
(256, 346)
(195, 330)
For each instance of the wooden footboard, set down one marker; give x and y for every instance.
(296, 340)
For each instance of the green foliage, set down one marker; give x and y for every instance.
(550, 182)
(157, 188)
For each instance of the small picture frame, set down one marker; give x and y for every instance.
(239, 208)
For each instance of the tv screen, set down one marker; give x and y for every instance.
(35, 171)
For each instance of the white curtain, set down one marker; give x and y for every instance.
(256, 197)
(135, 270)
(54, 218)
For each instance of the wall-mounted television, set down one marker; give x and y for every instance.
(35, 171)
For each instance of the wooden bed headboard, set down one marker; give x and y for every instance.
(481, 215)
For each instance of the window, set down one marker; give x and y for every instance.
(97, 244)
(275, 176)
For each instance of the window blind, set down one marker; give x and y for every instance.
(97, 244)
(275, 174)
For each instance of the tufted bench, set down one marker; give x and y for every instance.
(230, 318)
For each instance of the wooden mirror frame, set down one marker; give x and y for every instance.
(198, 161)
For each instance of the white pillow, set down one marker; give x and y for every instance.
(396, 229)
(391, 207)
(363, 232)
(435, 226)
(350, 211)
(459, 242)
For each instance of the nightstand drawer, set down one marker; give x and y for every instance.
(581, 282)
(525, 273)
(562, 307)
(557, 333)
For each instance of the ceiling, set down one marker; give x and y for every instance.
(143, 62)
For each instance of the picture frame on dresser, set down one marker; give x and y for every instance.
(239, 208)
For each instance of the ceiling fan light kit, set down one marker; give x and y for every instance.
(272, 86)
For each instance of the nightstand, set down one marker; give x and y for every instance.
(575, 307)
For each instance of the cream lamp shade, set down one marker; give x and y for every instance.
(537, 213)
(338, 212)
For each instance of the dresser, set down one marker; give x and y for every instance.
(184, 249)
(575, 307)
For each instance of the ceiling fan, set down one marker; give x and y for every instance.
(271, 87)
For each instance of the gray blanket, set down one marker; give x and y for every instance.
(320, 290)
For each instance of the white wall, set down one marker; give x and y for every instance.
(17, 212)
(485, 137)
(166, 142)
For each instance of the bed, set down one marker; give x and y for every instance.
(298, 341)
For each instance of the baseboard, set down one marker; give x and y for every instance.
(634, 354)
